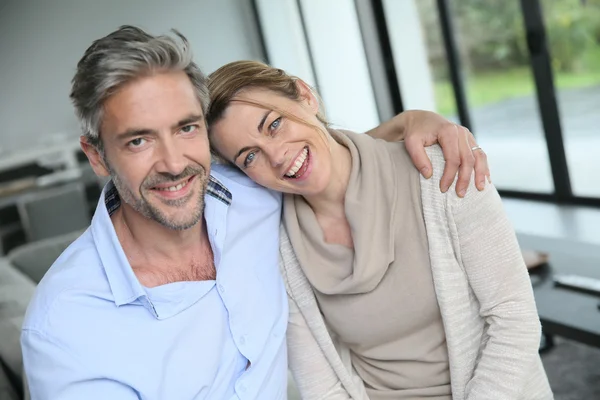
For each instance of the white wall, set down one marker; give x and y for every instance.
(41, 42)
(285, 38)
(340, 62)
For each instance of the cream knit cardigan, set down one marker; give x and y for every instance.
(485, 298)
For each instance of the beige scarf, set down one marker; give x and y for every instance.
(336, 268)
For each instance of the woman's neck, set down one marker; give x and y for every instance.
(330, 202)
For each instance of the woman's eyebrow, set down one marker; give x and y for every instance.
(239, 153)
(262, 121)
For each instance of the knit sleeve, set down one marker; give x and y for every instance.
(311, 369)
(489, 253)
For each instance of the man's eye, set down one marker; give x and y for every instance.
(249, 158)
(189, 128)
(137, 142)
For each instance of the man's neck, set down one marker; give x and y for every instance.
(159, 255)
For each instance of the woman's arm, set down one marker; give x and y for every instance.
(420, 129)
(315, 379)
(492, 260)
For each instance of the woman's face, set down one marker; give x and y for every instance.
(272, 149)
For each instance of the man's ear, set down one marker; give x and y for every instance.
(95, 158)
(307, 95)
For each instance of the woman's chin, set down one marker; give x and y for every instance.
(307, 189)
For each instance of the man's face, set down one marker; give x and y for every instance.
(156, 149)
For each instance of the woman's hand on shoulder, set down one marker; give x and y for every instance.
(420, 129)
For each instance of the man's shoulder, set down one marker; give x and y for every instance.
(229, 175)
(76, 278)
(243, 189)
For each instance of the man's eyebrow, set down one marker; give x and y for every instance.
(134, 132)
(188, 120)
(239, 153)
(262, 121)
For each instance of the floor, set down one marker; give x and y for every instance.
(573, 370)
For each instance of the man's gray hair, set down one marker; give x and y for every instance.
(121, 57)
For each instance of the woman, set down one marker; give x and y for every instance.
(424, 296)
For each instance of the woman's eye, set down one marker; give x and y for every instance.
(189, 128)
(275, 124)
(249, 158)
(137, 142)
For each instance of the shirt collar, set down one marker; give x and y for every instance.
(125, 286)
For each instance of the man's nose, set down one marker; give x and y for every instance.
(172, 158)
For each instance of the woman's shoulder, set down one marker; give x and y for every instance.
(430, 187)
(432, 195)
(436, 155)
(397, 150)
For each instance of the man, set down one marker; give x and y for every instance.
(174, 290)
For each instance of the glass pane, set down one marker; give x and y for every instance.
(500, 90)
(438, 61)
(573, 31)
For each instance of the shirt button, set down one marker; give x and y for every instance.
(221, 288)
(242, 340)
(242, 388)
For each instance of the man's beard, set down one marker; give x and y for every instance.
(143, 206)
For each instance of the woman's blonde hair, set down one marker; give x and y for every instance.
(226, 83)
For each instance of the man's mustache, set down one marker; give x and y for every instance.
(165, 177)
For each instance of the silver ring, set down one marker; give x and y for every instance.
(476, 148)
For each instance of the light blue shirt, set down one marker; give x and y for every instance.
(92, 331)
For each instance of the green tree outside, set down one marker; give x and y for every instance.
(491, 39)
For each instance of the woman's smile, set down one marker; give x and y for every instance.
(300, 167)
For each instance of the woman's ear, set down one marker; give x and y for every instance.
(307, 96)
